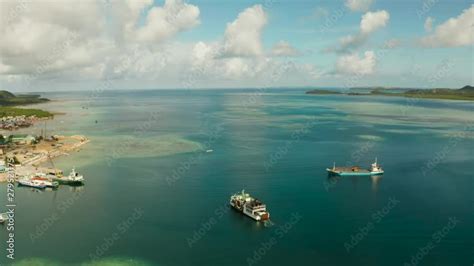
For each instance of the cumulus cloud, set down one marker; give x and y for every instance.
(242, 37)
(359, 5)
(36, 39)
(130, 40)
(283, 48)
(454, 32)
(163, 22)
(354, 64)
(370, 23)
(429, 24)
(39, 39)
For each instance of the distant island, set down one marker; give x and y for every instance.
(465, 93)
(8, 100)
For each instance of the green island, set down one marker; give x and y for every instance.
(464, 93)
(14, 111)
(8, 100)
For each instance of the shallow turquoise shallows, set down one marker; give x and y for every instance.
(162, 164)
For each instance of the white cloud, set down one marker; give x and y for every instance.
(429, 24)
(283, 48)
(359, 5)
(354, 64)
(372, 21)
(41, 37)
(243, 36)
(454, 32)
(38, 39)
(163, 22)
(132, 40)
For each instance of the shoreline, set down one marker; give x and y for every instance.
(42, 152)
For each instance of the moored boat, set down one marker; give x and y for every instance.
(47, 181)
(375, 169)
(32, 183)
(249, 206)
(73, 178)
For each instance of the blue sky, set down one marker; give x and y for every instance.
(425, 51)
(296, 21)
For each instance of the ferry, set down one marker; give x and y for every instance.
(375, 169)
(73, 178)
(249, 206)
(32, 183)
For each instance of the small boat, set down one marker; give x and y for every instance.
(73, 178)
(208, 151)
(47, 181)
(3, 217)
(249, 206)
(32, 183)
(375, 169)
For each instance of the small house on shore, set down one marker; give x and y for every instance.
(22, 139)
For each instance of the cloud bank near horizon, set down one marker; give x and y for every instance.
(138, 42)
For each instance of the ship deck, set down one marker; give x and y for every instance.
(352, 169)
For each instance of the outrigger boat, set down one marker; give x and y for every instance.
(249, 206)
(375, 169)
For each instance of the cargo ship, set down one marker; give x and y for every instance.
(249, 206)
(375, 169)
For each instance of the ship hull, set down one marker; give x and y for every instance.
(64, 181)
(258, 218)
(25, 184)
(352, 173)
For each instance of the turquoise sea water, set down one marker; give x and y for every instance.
(154, 196)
